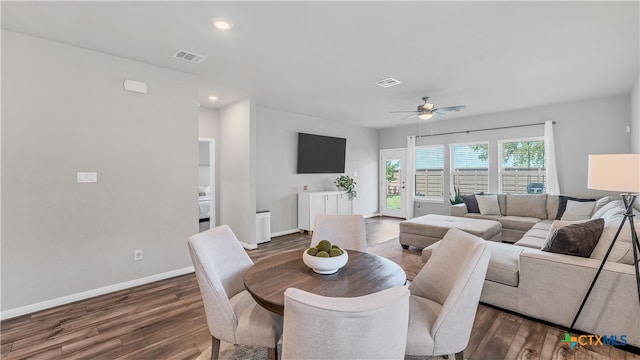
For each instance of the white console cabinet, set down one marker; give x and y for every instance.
(312, 203)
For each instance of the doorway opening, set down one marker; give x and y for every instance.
(392, 183)
(206, 184)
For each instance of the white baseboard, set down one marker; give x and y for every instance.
(285, 232)
(370, 215)
(23, 310)
(248, 246)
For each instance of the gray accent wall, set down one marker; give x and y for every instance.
(596, 126)
(64, 110)
(278, 183)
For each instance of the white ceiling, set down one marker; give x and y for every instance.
(322, 58)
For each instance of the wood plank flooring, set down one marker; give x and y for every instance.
(166, 320)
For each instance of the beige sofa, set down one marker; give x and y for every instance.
(518, 213)
(550, 286)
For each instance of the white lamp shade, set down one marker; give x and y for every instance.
(614, 172)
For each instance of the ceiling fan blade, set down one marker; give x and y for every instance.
(408, 111)
(408, 117)
(449, 109)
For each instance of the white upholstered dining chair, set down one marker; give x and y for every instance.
(346, 231)
(445, 296)
(366, 327)
(232, 315)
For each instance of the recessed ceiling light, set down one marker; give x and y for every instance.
(222, 24)
(213, 98)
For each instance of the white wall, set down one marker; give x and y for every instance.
(635, 118)
(208, 122)
(278, 183)
(237, 175)
(203, 164)
(64, 110)
(595, 126)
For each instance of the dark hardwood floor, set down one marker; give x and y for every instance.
(166, 320)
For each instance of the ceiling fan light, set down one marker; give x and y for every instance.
(425, 116)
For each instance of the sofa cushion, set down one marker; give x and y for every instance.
(518, 222)
(534, 242)
(534, 206)
(502, 202)
(543, 225)
(552, 206)
(600, 203)
(537, 233)
(482, 217)
(622, 250)
(611, 205)
(536, 237)
(578, 210)
(488, 204)
(504, 264)
(562, 204)
(576, 239)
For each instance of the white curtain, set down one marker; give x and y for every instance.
(410, 172)
(553, 185)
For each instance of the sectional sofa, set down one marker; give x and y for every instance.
(550, 286)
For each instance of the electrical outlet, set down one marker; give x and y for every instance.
(137, 255)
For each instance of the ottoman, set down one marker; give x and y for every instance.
(428, 229)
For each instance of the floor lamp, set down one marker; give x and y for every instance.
(621, 173)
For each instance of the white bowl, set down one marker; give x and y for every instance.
(325, 265)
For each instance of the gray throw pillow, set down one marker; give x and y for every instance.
(576, 239)
(562, 204)
(471, 202)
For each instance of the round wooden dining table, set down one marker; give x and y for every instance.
(363, 274)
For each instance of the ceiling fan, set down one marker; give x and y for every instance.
(426, 110)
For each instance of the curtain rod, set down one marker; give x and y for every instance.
(487, 129)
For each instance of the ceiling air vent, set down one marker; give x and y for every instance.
(388, 82)
(189, 56)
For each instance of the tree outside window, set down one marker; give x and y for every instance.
(522, 168)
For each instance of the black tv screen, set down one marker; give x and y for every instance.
(319, 154)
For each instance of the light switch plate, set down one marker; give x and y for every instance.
(87, 177)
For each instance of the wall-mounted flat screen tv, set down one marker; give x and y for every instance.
(319, 154)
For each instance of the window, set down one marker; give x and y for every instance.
(429, 176)
(522, 166)
(470, 168)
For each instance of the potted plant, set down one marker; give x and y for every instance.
(456, 198)
(346, 183)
